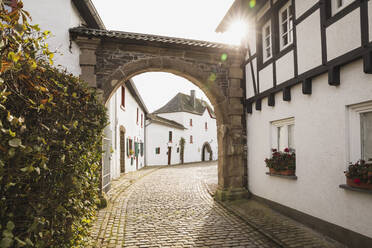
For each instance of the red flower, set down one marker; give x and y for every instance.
(357, 180)
(274, 150)
(286, 150)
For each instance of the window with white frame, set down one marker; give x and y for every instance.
(360, 132)
(266, 41)
(338, 5)
(282, 134)
(286, 25)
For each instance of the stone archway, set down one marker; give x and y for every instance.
(109, 59)
(207, 147)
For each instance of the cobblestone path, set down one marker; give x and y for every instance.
(171, 207)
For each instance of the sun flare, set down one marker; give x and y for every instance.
(236, 32)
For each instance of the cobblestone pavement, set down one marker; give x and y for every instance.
(171, 207)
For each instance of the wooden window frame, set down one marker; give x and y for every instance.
(123, 96)
(191, 139)
(190, 122)
(141, 120)
(157, 150)
(265, 56)
(289, 25)
(137, 116)
(206, 126)
(170, 137)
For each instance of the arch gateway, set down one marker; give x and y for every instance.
(108, 59)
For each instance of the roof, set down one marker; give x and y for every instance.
(147, 38)
(239, 9)
(89, 13)
(134, 92)
(163, 121)
(183, 103)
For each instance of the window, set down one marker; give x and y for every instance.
(170, 136)
(191, 141)
(157, 150)
(190, 122)
(286, 25)
(360, 132)
(206, 126)
(123, 96)
(178, 150)
(266, 41)
(338, 5)
(137, 116)
(141, 120)
(282, 133)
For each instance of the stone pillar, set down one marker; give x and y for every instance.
(88, 61)
(231, 178)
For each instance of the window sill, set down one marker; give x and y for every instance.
(282, 176)
(347, 187)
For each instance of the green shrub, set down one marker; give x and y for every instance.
(51, 127)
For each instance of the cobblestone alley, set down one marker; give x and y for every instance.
(171, 207)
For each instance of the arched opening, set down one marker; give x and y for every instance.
(207, 153)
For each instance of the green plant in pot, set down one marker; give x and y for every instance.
(283, 163)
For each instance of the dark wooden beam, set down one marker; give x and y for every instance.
(287, 94)
(307, 86)
(259, 104)
(249, 107)
(334, 75)
(367, 62)
(271, 100)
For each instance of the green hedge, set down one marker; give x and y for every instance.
(51, 128)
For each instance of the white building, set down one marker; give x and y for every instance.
(125, 135)
(183, 116)
(308, 87)
(58, 16)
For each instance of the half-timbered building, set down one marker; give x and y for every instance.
(308, 87)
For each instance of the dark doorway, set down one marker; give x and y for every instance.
(122, 151)
(169, 155)
(207, 152)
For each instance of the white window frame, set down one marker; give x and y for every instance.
(354, 137)
(335, 5)
(289, 24)
(275, 125)
(265, 57)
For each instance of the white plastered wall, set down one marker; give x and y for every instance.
(266, 78)
(58, 16)
(344, 35)
(126, 117)
(321, 143)
(248, 76)
(285, 68)
(302, 6)
(309, 51)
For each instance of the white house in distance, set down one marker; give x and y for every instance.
(308, 87)
(183, 116)
(125, 135)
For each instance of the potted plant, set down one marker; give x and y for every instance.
(359, 175)
(282, 163)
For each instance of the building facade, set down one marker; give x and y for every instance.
(125, 135)
(183, 116)
(308, 88)
(58, 17)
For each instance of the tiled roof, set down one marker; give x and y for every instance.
(164, 121)
(183, 103)
(101, 33)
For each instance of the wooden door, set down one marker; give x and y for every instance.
(122, 151)
(169, 155)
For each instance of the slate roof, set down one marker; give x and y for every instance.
(161, 120)
(133, 90)
(89, 13)
(121, 35)
(183, 103)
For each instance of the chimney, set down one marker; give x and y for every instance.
(193, 101)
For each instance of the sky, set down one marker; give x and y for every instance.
(193, 19)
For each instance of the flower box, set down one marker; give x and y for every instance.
(357, 184)
(282, 172)
(359, 175)
(282, 163)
